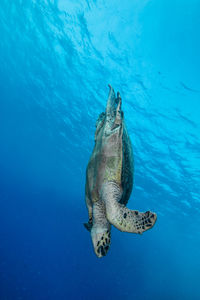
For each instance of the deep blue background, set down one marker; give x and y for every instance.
(56, 59)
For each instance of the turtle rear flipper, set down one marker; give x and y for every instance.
(110, 107)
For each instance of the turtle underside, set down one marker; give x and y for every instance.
(109, 180)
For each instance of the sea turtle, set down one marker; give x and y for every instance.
(109, 180)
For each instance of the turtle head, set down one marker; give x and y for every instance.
(101, 240)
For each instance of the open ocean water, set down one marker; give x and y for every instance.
(56, 59)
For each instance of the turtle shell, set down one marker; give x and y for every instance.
(127, 167)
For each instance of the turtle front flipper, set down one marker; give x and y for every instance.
(133, 221)
(123, 218)
(88, 226)
(101, 230)
(88, 201)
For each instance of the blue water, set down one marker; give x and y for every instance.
(56, 59)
